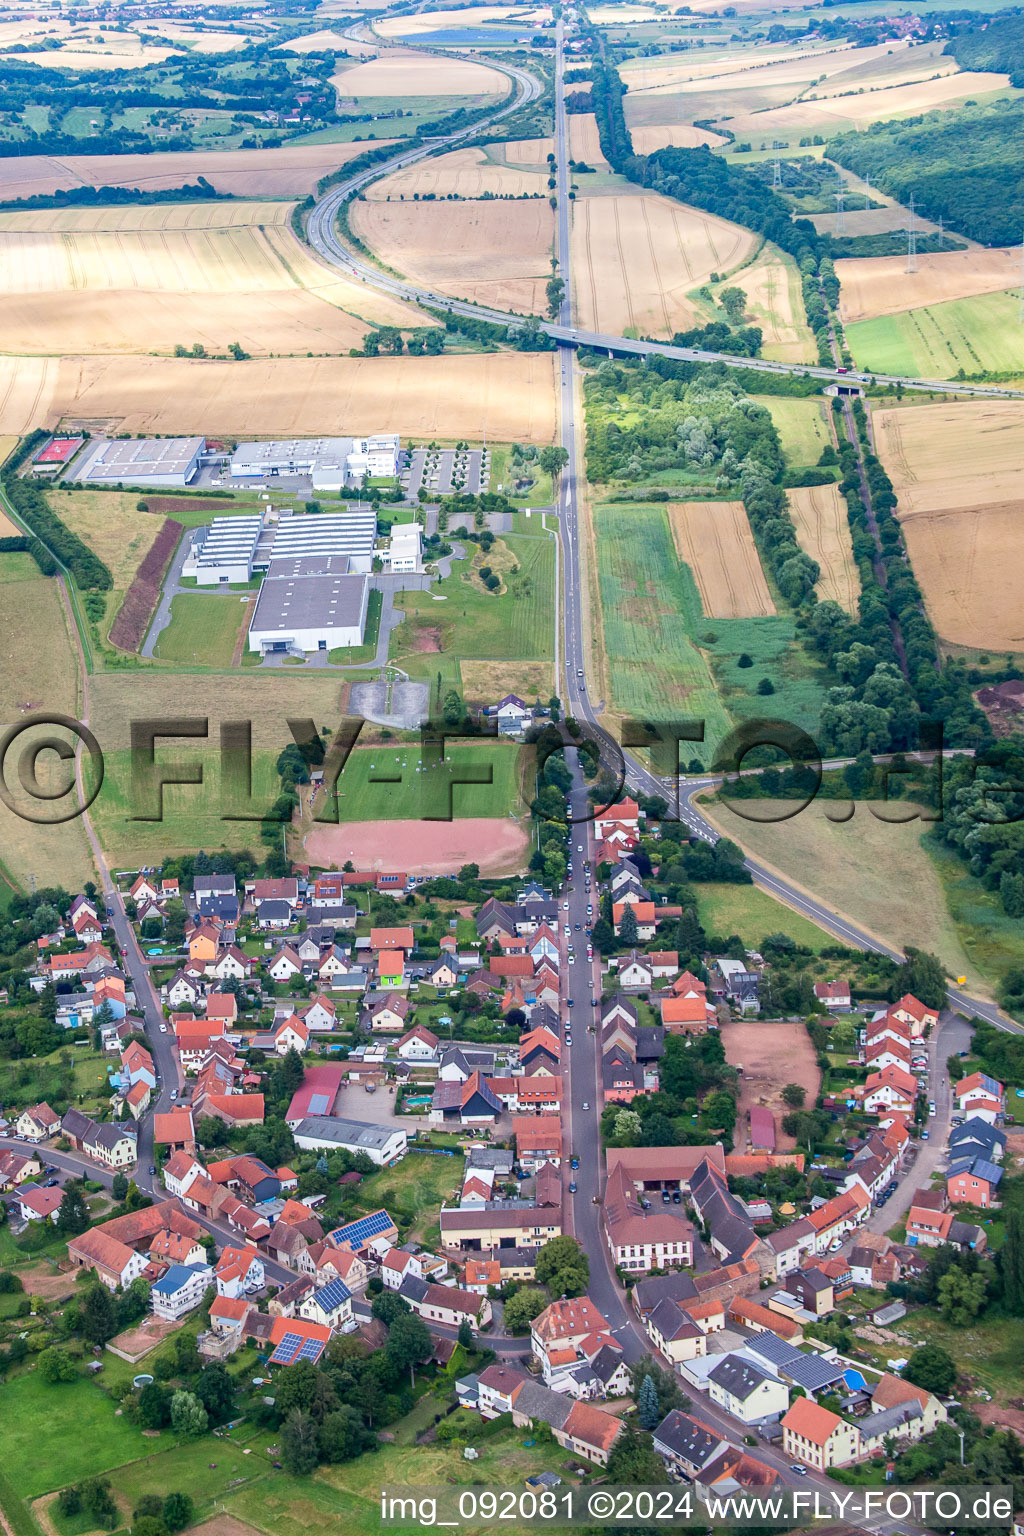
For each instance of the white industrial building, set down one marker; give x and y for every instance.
(155, 461)
(405, 552)
(225, 551)
(331, 463)
(351, 531)
(311, 604)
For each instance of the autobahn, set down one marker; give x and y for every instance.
(324, 238)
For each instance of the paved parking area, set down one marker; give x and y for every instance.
(441, 471)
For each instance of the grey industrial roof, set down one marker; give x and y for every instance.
(122, 457)
(289, 603)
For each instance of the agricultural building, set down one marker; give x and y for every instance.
(155, 461)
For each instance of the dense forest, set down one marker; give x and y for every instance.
(966, 167)
(997, 46)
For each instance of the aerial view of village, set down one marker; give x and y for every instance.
(511, 766)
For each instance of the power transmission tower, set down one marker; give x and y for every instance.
(911, 239)
(942, 233)
(777, 166)
(841, 211)
(867, 192)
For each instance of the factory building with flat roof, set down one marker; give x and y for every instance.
(225, 551)
(331, 463)
(309, 604)
(144, 461)
(351, 531)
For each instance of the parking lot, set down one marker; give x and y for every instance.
(442, 471)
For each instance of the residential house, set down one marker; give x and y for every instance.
(685, 1444)
(641, 1239)
(674, 1332)
(589, 1432)
(745, 1391)
(37, 1124)
(388, 1014)
(818, 1437)
(981, 1097)
(330, 1304)
(834, 994)
(180, 1290)
(909, 1010)
(419, 1044)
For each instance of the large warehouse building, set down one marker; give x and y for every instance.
(309, 604)
(351, 531)
(331, 463)
(231, 549)
(155, 461)
(225, 551)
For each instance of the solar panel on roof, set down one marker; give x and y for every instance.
(319, 1104)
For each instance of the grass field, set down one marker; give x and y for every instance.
(774, 302)
(505, 396)
(489, 252)
(849, 867)
(801, 425)
(203, 630)
(145, 279)
(55, 1437)
(993, 940)
(192, 813)
(635, 259)
(753, 914)
(394, 784)
(650, 614)
(975, 334)
(799, 682)
(715, 540)
(470, 623)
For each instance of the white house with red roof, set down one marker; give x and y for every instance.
(395, 1265)
(980, 1095)
(890, 1088)
(239, 1271)
(291, 1035)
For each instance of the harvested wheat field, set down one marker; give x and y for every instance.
(775, 303)
(418, 74)
(953, 453)
(326, 41)
(584, 141)
(673, 136)
(506, 396)
(881, 285)
(956, 470)
(291, 171)
(819, 513)
(488, 252)
(838, 112)
(524, 151)
(134, 279)
(969, 562)
(27, 386)
(464, 173)
(715, 540)
(440, 21)
(635, 259)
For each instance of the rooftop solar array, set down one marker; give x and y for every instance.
(294, 1346)
(361, 1231)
